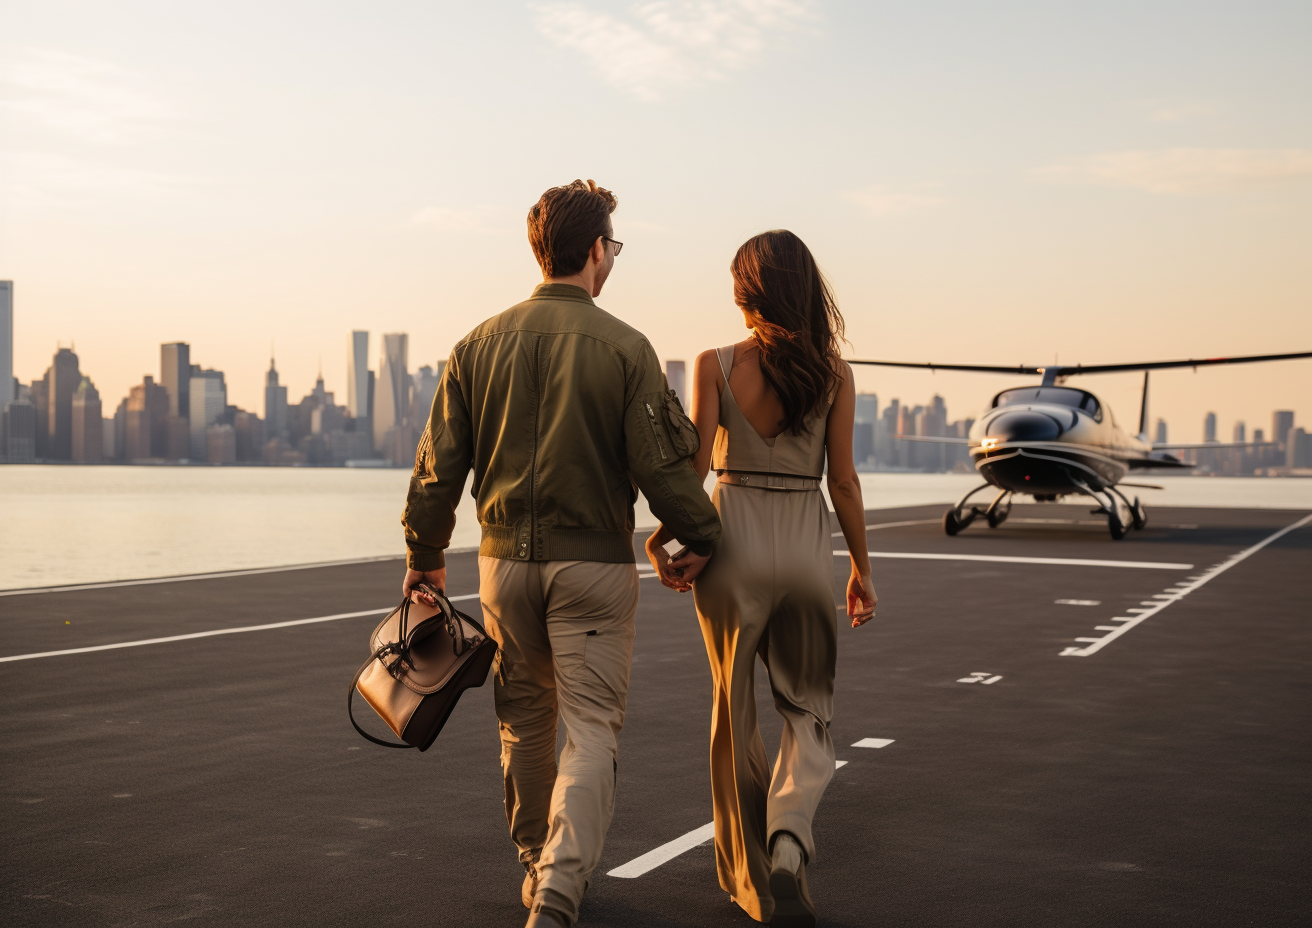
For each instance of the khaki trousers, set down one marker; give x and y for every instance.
(565, 630)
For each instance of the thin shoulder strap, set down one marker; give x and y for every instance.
(725, 368)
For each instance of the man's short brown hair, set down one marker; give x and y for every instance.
(564, 223)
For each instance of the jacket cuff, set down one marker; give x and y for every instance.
(702, 548)
(424, 561)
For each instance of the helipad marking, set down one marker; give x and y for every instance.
(672, 849)
(873, 743)
(1005, 559)
(1078, 602)
(879, 525)
(226, 631)
(1165, 599)
(979, 678)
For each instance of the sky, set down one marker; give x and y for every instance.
(1000, 183)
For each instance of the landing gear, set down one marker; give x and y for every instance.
(1122, 515)
(954, 521)
(1138, 515)
(965, 512)
(998, 512)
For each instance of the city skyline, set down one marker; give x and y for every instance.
(187, 417)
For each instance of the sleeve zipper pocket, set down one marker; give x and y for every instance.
(655, 433)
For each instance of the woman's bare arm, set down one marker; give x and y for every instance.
(845, 492)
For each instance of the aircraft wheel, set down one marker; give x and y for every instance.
(1139, 514)
(952, 522)
(1115, 525)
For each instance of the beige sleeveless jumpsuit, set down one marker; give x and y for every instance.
(769, 591)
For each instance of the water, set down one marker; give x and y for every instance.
(62, 525)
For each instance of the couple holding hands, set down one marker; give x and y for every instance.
(562, 413)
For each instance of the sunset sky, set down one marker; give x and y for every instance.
(990, 183)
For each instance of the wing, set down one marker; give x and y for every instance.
(1199, 446)
(935, 440)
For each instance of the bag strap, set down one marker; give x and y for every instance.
(377, 655)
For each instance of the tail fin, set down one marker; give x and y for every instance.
(1143, 411)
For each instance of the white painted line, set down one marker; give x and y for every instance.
(665, 853)
(672, 849)
(990, 680)
(1097, 644)
(210, 634)
(1078, 602)
(879, 525)
(224, 631)
(1003, 559)
(151, 581)
(873, 743)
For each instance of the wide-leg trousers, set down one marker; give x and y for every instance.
(565, 630)
(768, 592)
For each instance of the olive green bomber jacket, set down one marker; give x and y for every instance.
(560, 409)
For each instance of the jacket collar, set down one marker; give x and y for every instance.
(561, 292)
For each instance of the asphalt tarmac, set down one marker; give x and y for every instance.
(1164, 778)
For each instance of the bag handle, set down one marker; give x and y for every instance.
(377, 655)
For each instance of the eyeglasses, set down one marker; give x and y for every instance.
(619, 246)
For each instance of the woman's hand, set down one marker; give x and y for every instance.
(861, 599)
(660, 562)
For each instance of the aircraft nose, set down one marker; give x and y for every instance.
(1024, 425)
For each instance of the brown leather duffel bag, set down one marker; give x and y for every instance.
(423, 658)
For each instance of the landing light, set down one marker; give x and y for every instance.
(988, 444)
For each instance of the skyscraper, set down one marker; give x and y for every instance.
(1282, 420)
(1240, 432)
(867, 407)
(1160, 438)
(357, 375)
(209, 395)
(1209, 427)
(275, 404)
(425, 381)
(88, 424)
(6, 343)
(62, 380)
(676, 374)
(147, 409)
(175, 376)
(392, 402)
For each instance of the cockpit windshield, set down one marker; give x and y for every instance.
(1059, 396)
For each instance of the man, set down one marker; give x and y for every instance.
(560, 409)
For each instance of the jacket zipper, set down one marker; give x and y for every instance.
(651, 417)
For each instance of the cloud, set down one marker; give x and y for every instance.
(448, 219)
(1180, 113)
(885, 200)
(85, 99)
(670, 43)
(57, 179)
(1185, 170)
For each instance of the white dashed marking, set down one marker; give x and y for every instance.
(1161, 600)
(1078, 602)
(873, 743)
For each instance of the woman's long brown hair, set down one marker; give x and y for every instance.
(798, 326)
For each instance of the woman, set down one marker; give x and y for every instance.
(771, 411)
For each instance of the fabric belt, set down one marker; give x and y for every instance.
(767, 481)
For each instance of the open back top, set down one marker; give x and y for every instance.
(739, 447)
